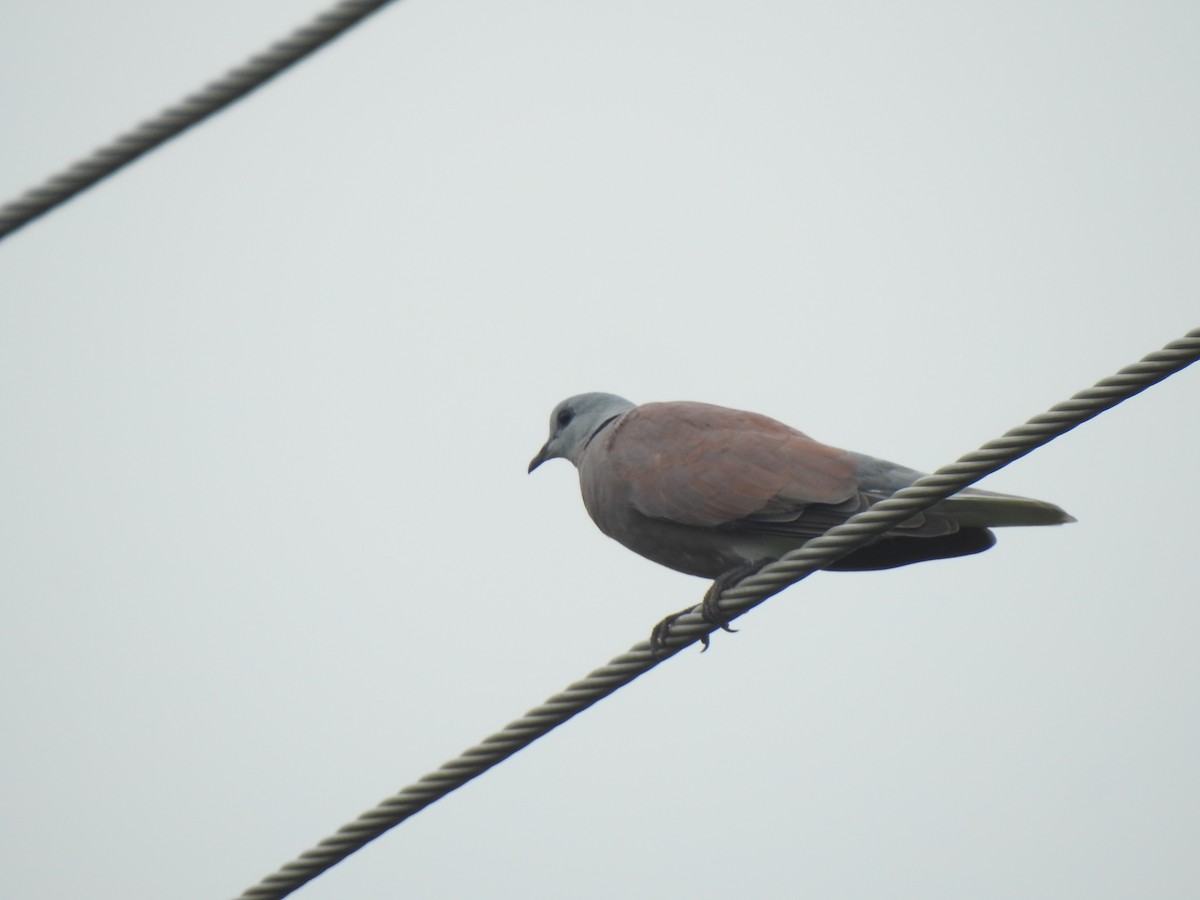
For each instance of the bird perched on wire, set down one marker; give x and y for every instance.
(719, 492)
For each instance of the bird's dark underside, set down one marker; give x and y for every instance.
(890, 552)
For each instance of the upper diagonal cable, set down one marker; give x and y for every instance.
(191, 110)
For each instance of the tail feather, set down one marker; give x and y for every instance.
(974, 508)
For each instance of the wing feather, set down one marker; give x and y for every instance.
(707, 466)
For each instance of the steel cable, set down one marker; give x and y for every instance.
(751, 591)
(193, 109)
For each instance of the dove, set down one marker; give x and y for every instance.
(717, 492)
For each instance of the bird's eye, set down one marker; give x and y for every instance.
(564, 417)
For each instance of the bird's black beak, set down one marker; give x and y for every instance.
(540, 458)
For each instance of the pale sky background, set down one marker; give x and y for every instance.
(268, 550)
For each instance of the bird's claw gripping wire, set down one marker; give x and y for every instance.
(710, 607)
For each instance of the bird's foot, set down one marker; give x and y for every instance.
(710, 608)
(658, 635)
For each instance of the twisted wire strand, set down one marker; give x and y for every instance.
(453, 774)
(193, 109)
(751, 591)
(928, 490)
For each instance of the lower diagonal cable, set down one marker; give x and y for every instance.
(751, 591)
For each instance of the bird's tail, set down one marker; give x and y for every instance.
(973, 507)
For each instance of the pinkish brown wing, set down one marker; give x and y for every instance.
(705, 465)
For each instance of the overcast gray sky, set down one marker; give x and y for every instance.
(268, 551)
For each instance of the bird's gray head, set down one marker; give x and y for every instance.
(575, 421)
